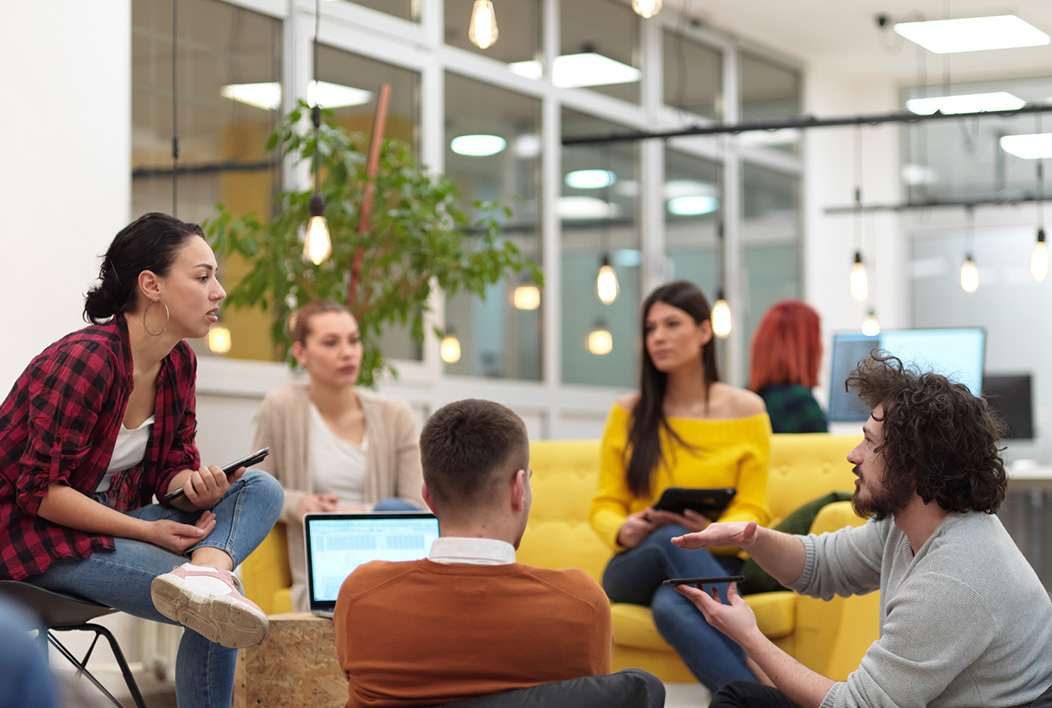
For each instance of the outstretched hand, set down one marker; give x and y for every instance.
(737, 534)
(735, 619)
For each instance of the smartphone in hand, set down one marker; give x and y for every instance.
(229, 469)
(700, 582)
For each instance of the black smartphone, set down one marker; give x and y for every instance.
(698, 582)
(229, 469)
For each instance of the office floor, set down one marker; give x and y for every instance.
(161, 694)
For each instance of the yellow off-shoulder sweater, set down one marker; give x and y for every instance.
(726, 453)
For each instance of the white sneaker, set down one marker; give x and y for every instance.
(209, 601)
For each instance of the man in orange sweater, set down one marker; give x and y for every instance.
(468, 620)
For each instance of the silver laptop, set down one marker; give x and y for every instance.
(337, 543)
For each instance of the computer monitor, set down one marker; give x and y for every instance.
(957, 354)
(1011, 397)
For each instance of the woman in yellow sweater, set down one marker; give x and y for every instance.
(683, 429)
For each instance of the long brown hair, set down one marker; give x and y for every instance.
(648, 418)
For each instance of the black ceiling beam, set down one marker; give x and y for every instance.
(802, 123)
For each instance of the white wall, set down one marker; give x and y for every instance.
(64, 147)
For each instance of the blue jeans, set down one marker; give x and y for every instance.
(204, 672)
(635, 576)
(394, 504)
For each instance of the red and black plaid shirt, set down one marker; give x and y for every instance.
(59, 425)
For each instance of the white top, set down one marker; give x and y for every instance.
(128, 451)
(452, 550)
(337, 466)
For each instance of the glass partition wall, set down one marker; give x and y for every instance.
(649, 210)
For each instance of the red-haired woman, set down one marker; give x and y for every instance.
(785, 354)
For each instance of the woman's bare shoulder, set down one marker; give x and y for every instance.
(737, 402)
(629, 401)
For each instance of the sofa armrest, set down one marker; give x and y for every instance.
(835, 516)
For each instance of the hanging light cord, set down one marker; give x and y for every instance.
(1040, 182)
(315, 111)
(175, 111)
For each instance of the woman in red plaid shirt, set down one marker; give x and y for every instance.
(102, 422)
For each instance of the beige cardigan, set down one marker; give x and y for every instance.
(393, 468)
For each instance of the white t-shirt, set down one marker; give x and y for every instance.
(337, 466)
(128, 451)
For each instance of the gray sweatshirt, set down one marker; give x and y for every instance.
(965, 623)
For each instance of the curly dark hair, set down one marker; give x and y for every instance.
(938, 438)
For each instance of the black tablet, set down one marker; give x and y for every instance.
(710, 501)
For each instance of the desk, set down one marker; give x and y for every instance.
(294, 667)
(1034, 481)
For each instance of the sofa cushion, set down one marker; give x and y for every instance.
(634, 627)
(775, 612)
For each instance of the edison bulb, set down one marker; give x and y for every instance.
(606, 287)
(600, 341)
(859, 280)
(969, 275)
(646, 8)
(1039, 258)
(219, 339)
(870, 326)
(450, 349)
(483, 28)
(721, 318)
(318, 245)
(526, 297)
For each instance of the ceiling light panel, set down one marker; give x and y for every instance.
(966, 103)
(1035, 146)
(579, 70)
(973, 34)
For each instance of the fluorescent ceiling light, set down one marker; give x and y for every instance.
(577, 70)
(972, 34)
(760, 138)
(268, 95)
(1035, 146)
(687, 188)
(477, 145)
(528, 145)
(916, 175)
(965, 103)
(693, 205)
(584, 208)
(590, 179)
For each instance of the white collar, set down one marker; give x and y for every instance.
(454, 550)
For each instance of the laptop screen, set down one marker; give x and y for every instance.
(337, 543)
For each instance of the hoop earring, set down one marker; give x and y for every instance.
(167, 317)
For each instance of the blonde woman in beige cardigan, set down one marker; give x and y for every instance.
(333, 447)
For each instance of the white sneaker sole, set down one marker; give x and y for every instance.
(223, 620)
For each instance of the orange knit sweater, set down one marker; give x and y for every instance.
(423, 633)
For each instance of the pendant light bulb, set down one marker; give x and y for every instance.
(606, 287)
(219, 339)
(969, 275)
(526, 297)
(646, 8)
(600, 341)
(721, 317)
(859, 280)
(870, 326)
(317, 246)
(1039, 258)
(450, 348)
(483, 28)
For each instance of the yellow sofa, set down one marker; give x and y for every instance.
(829, 637)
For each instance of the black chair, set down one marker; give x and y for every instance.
(61, 612)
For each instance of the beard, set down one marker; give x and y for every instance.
(882, 502)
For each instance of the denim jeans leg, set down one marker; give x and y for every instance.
(636, 576)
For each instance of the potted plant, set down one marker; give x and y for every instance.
(417, 237)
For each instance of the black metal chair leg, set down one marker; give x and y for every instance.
(122, 662)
